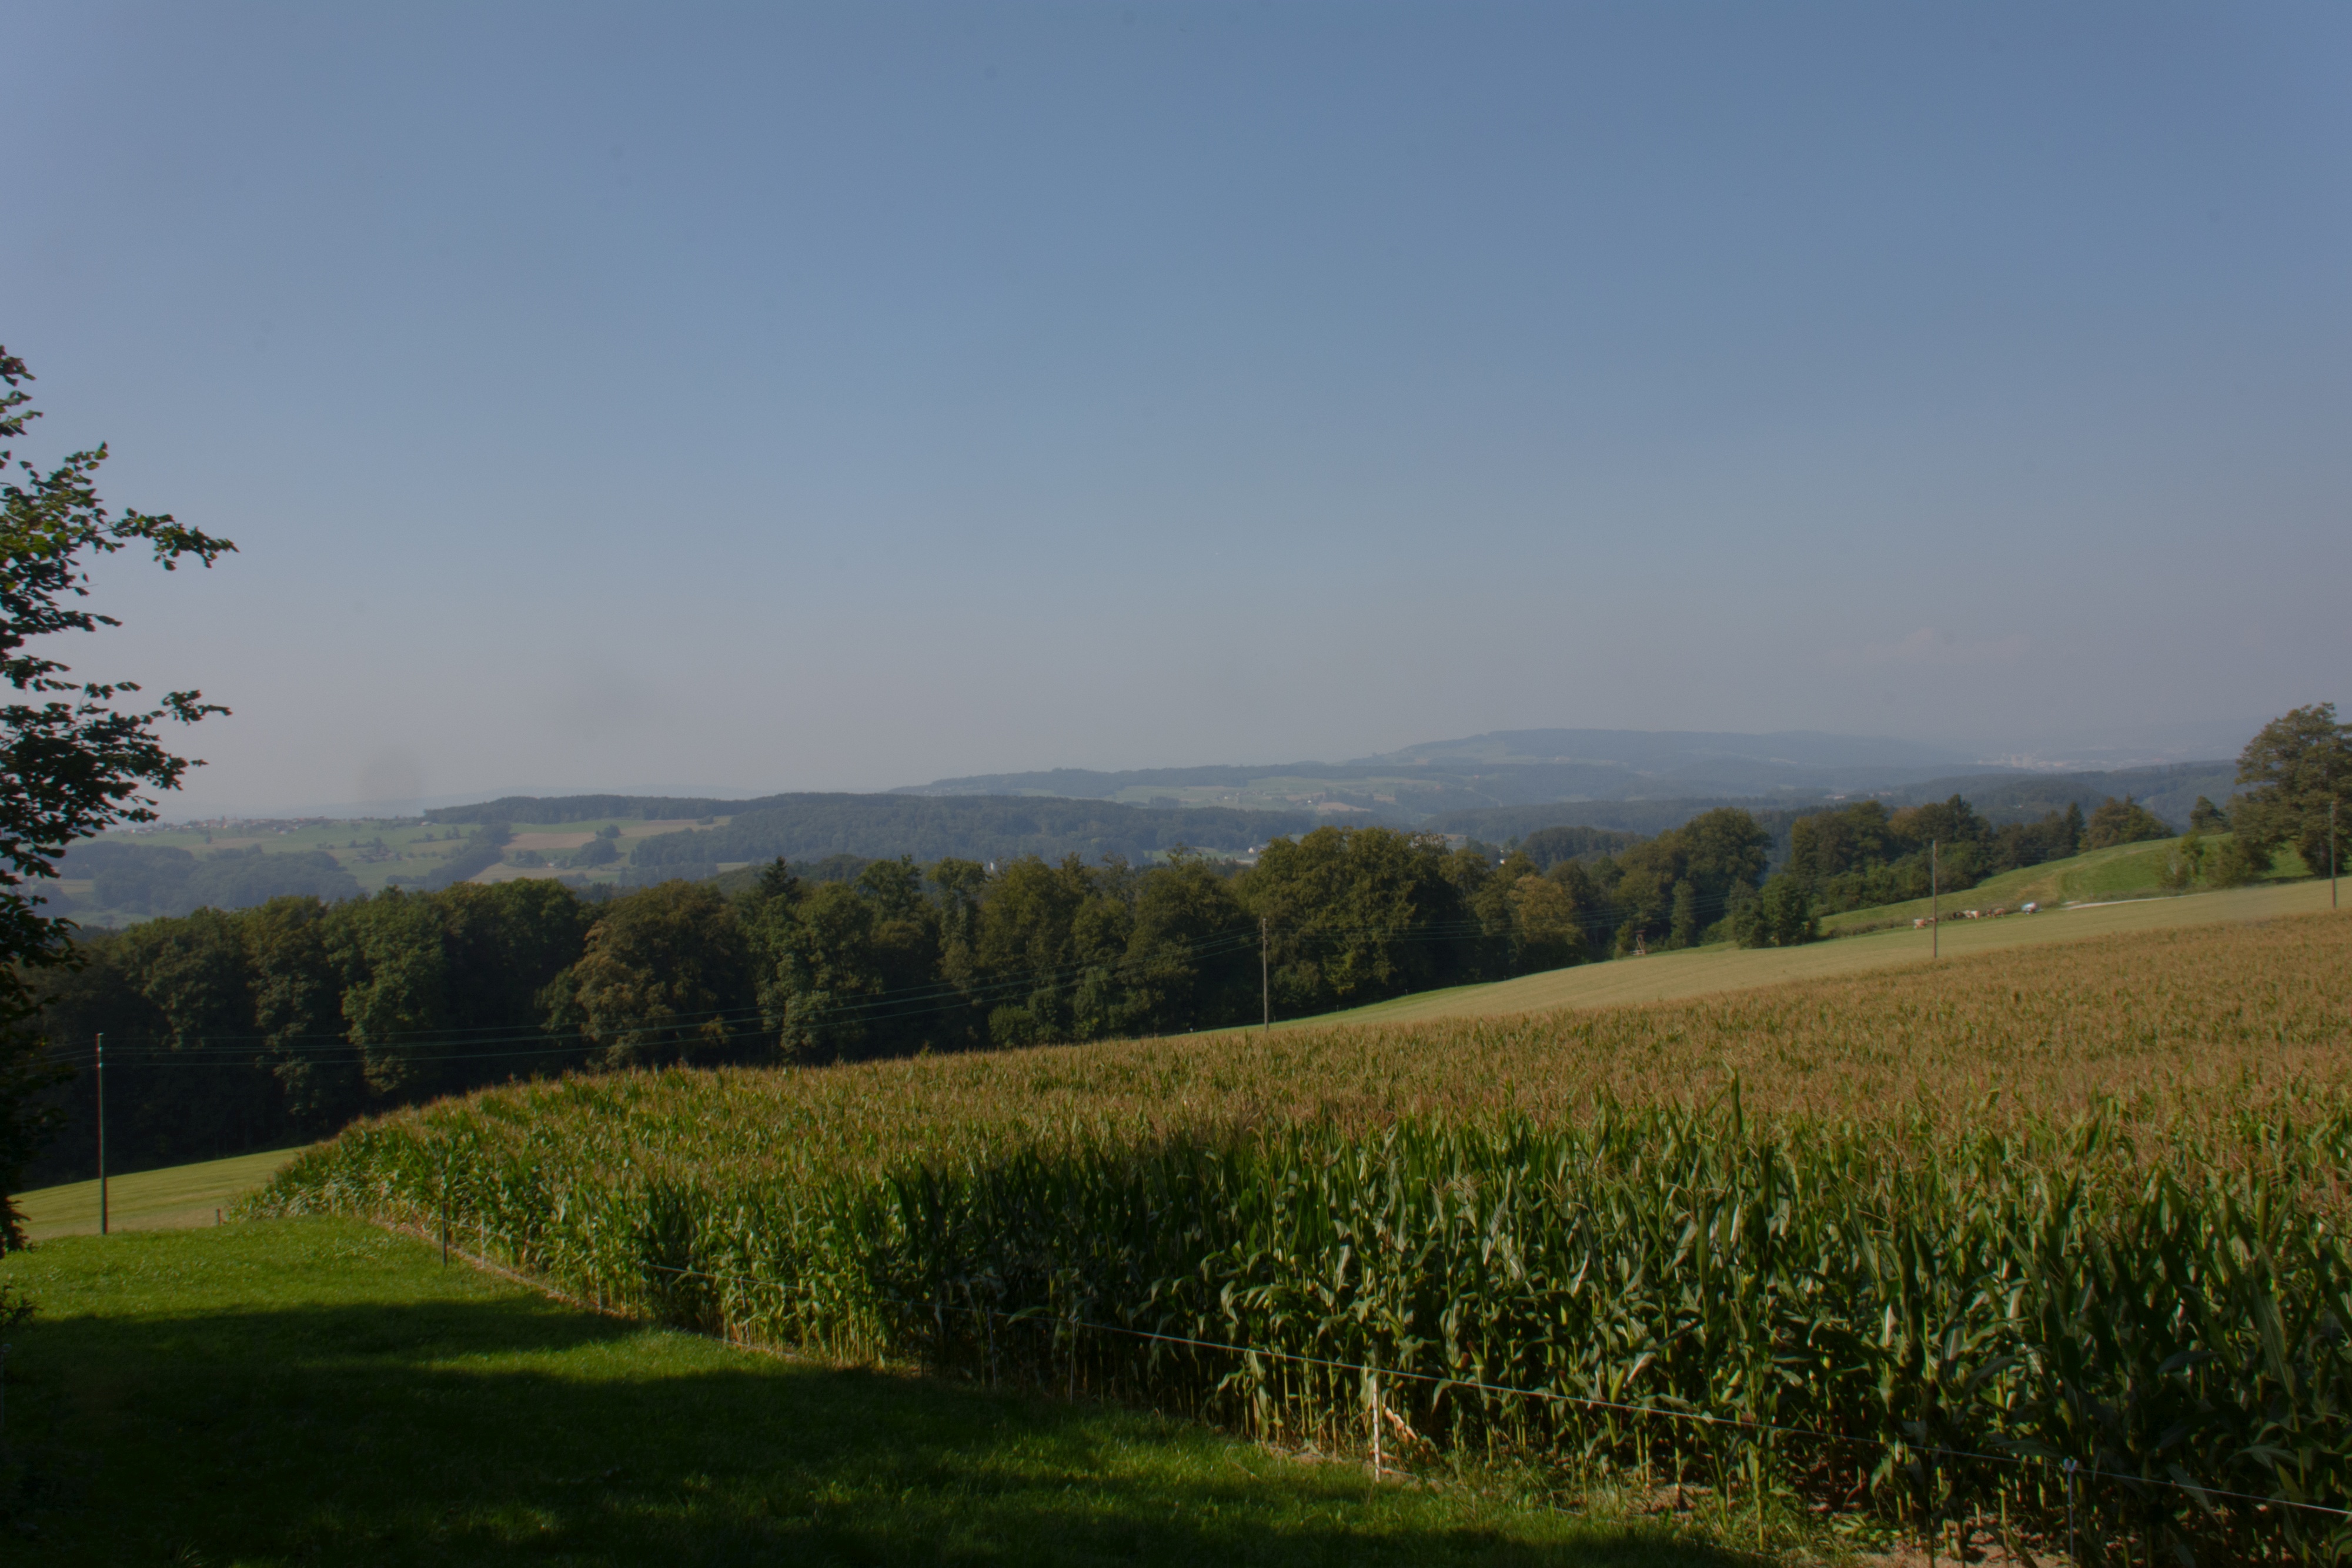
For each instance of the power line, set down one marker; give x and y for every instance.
(1308, 941)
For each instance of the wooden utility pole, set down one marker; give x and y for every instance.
(102, 1135)
(1935, 928)
(1265, 972)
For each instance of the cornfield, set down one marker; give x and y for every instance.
(1899, 1247)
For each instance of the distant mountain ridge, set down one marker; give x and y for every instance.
(1497, 786)
(1509, 767)
(1671, 750)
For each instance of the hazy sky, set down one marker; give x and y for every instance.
(772, 397)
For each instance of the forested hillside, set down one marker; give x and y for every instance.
(116, 881)
(1510, 767)
(133, 878)
(2168, 793)
(812, 826)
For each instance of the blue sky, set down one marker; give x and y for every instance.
(767, 397)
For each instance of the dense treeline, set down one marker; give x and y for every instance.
(1550, 846)
(229, 1031)
(1999, 799)
(234, 1030)
(1865, 854)
(1502, 824)
(2165, 791)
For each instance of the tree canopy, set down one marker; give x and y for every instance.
(74, 754)
(2297, 764)
(2124, 822)
(1862, 854)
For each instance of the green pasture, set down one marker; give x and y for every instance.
(1699, 971)
(555, 840)
(173, 1199)
(372, 848)
(376, 850)
(320, 1391)
(2123, 871)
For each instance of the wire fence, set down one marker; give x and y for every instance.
(2066, 1470)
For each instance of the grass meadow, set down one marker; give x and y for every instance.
(321, 1391)
(2120, 872)
(1886, 1248)
(177, 1198)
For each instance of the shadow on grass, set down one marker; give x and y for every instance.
(507, 1428)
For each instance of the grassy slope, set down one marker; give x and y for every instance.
(1666, 976)
(2126, 871)
(173, 1199)
(320, 1391)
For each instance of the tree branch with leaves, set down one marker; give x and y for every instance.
(2299, 763)
(75, 756)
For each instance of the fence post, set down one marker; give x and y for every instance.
(102, 1135)
(988, 1322)
(1266, 972)
(2072, 1555)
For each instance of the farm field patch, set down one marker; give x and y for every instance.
(1469, 1225)
(2122, 871)
(380, 854)
(1703, 971)
(571, 836)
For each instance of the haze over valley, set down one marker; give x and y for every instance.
(1422, 786)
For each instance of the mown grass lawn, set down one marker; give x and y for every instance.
(176, 1197)
(320, 1391)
